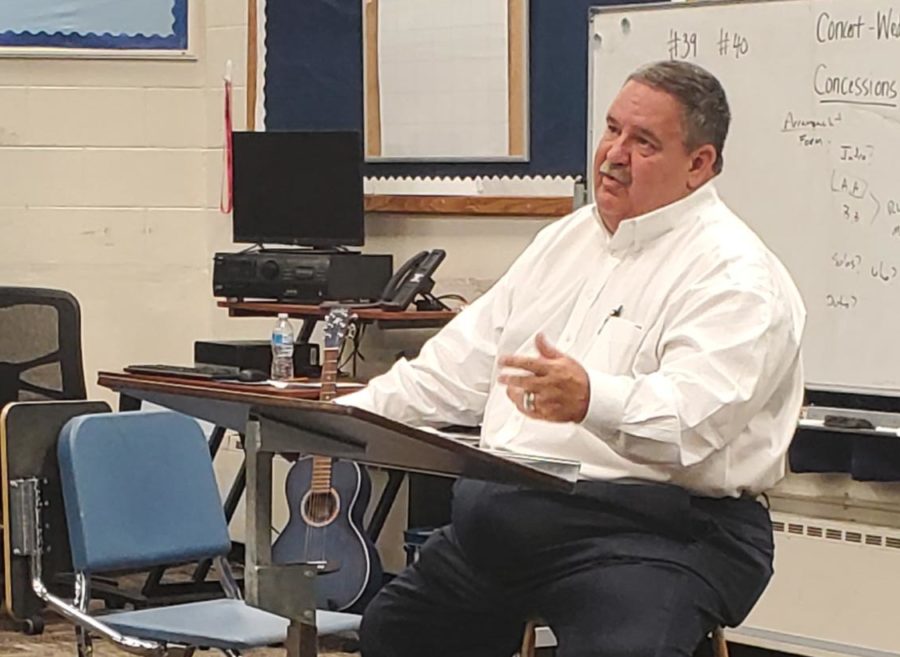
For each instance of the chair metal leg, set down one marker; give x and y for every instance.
(180, 651)
(83, 643)
(83, 640)
(529, 639)
(153, 581)
(215, 441)
(720, 645)
(231, 502)
(226, 578)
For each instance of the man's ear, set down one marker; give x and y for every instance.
(703, 161)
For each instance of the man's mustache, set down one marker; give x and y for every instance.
(618, 172)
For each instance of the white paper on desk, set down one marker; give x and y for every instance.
(563, 468)
(299, 385)
(465, 438)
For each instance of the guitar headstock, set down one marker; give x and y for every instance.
(337, 322)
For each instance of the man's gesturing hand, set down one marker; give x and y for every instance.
(558, 383)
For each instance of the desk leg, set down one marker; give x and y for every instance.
(302, 640)
(385, 502)
(259, 512)
(128, 403)
(215, 441)
(264, 585)
(306, 329)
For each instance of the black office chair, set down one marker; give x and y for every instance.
(40, 345)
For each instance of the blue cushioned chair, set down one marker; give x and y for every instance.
(139, 492)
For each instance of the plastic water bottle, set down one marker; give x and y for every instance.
(282, 349)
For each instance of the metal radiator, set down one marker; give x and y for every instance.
(835, 591)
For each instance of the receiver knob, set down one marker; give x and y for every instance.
(269, 270)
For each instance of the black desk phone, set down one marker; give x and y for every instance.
(413, 277)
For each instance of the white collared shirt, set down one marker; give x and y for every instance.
(689, 329)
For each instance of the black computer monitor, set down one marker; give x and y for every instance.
(299, 188)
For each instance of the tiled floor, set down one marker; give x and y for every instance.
(58, 639)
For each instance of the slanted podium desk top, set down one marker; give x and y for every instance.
(290, 421)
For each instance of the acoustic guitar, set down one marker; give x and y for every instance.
(327, 499)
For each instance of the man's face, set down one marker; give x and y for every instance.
(641, 162)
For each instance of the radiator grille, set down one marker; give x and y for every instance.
(820, 530)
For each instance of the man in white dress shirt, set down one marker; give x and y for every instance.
(654, 338)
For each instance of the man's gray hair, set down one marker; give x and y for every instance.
(705, 113)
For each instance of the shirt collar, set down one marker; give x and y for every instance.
(638, 231)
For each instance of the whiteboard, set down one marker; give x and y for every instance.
(812, 159)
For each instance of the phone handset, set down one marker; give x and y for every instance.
(413, 277)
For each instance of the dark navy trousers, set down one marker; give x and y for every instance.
(617, 570)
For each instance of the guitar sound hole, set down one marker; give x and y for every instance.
(320, 509)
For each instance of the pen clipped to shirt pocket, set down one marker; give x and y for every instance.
(614, 346)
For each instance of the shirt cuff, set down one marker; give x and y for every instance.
(606, 405)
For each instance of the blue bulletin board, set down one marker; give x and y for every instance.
(103, 24)
(314, 81)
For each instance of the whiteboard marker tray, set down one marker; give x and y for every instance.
(879, 423)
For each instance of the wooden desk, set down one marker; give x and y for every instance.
(382, 318)
(228, 391)
(228, 404)
(224, 403)
(277, 421)
(429, 499)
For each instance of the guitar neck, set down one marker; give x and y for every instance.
(328, 391)
(321, 466)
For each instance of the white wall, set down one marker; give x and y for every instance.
(111, 173)
(111, 178)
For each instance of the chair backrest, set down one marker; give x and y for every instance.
(139, 491)
(29, 432)
(40, 345)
